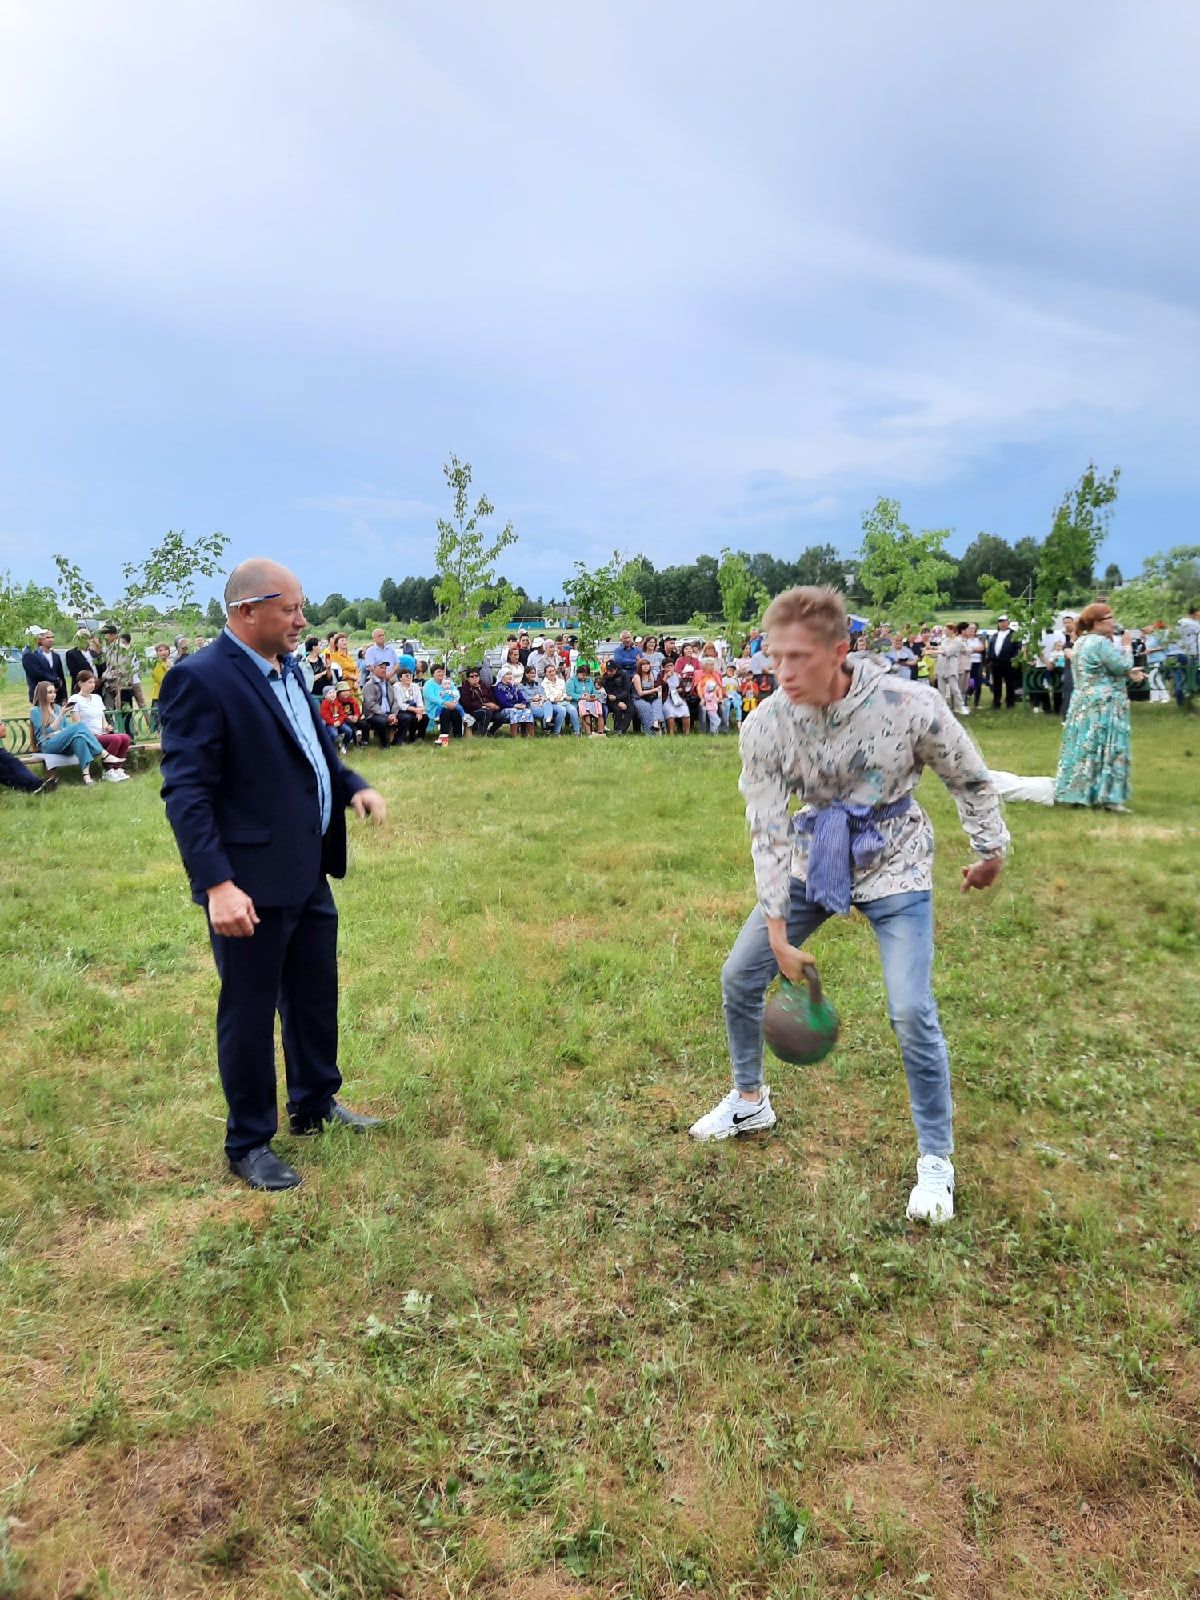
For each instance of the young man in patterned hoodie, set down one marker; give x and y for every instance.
(850, 741)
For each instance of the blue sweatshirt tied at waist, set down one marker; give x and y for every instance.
(843, 837)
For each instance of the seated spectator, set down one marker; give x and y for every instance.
(531, 693)
(675, 707)
(14, 774)
(513, 708)
(748, 691)
(648, 698)
(477, 702)
(336, 717)
(557, 698)
(442, 704)
(588, 699)
(653, 654)
(411, 716)
(379, 710)
(343, 664)
(90, 710)
(618, 694)
(56, 732)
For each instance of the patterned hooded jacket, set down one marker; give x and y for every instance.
(868, 749)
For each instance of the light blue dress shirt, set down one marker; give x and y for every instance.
(289, 690)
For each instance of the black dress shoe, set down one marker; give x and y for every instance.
(336, 1116)
(262, 1169)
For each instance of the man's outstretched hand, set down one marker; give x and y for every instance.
(982, 874)
(369, 803)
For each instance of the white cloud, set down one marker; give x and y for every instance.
(637, 258)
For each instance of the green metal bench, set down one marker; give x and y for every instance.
(138, 724)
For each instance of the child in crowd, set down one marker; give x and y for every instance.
(748, 691)
(711, 695)
(335, 714)
(731, 705)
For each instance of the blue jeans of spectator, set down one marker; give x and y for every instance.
(903, 925)
(543, 714)
(565, 712)
(74, 740)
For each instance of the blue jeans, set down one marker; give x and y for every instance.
(73, 739)
(564, 712)
(903, 925)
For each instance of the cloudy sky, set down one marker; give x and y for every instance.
(670, 275)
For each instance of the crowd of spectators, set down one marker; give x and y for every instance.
(535, 684)
(82, 699)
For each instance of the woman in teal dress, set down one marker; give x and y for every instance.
(1093, 764)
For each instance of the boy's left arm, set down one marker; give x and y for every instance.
(943, 744)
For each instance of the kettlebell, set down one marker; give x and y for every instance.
(800, 1024)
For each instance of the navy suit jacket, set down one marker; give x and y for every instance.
(241, 795)
(39, 670)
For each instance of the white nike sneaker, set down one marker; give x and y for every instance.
(734, 1115)
(932, 1200)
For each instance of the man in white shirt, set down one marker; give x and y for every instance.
(380, 650)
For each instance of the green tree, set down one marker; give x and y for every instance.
(1066, 570)
(466, 563)
(1112, 576)
(28, 606)
(165, 581)
(739, 588)
(603, 600)
(214, 615)
(1177, 573)
(986, 554)
(902, 572)
(819, 566)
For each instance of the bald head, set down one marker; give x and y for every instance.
(264, 607)
(257, 575)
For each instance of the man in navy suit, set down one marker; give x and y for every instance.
(256, 796)
(1002, 650)
(42, 665)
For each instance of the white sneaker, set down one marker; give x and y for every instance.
(965, 712)
(734, 1115)
(111, 776)
(932, 1200)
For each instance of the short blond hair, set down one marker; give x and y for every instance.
(821, 610)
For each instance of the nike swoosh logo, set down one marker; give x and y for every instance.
(747, 1117)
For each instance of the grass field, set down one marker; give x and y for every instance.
(530, 1341)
